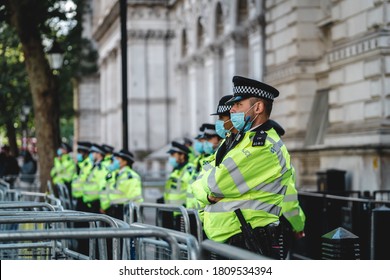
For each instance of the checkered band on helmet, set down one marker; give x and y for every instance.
(223, 109)
(248, 90)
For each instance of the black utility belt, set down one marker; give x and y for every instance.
(268, 229)
(116, 206)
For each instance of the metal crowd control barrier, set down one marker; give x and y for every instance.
(164, 207)
(26, 205)
(17, 195)
(156, 249)
(139, 209)
(224, 251)
(65, 197)
(7, 236)
(55, 220)
(4, 188)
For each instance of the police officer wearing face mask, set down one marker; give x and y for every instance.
(96, 180)
(108, 158)
(124, 185)
(84, 166)
(251, 182)
(64, 167)
(198, 146)
(224, 127)
(176, 186)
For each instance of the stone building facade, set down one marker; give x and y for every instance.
(328, 58)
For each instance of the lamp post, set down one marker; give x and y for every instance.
(123, 26)
(55, 56)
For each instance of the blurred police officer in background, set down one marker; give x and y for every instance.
(64, 167)
(124, 185)
(108, 157)
(176, 186)
(96, 180)
(84, 166)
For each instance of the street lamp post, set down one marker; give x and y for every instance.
(123, 26)
(55, 56)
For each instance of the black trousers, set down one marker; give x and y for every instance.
(115, 211)
(270, 240)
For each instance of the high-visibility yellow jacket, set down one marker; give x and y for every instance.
(177, 184)
(95, 182)
(79, 179)
(291, 209)
(253, 176)
(191, 201)
(63, 170)
(123, 186)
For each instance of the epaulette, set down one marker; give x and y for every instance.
(189, 168)
(259, 138)
(129, 176)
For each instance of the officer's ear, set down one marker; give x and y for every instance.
(259, 107)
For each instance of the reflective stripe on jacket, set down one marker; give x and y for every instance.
(63, 170)
(79, 179)
(124, 186)
(95, 182)
(176, 185)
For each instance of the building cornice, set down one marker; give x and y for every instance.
(358, 47)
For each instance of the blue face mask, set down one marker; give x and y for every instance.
(173, 162)
(59, 152)
(79, 157)
(199, 147)
(114, 165)
(220, 129)
(208, 148)
(238, 120)
(91, 157)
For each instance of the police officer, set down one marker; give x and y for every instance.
(124, 185)
(206, 134)
(109, 157)
(84, 166)
(251, 181)
(96, 180)
(176, 186)
(223, 125)
(188, 143)
(64, 167)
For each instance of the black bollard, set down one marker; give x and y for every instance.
(380, 233)
(340, 244)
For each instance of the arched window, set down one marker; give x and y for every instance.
(200, 34)
(242, 11)
(219, 21)
(184, 43)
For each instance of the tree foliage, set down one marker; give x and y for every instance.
(14, 87)
(36, 24)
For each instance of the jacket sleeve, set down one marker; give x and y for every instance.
(291, 209)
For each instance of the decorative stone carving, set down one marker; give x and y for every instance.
(358, 48)
(139, 34)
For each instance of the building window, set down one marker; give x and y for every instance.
(318, 120)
